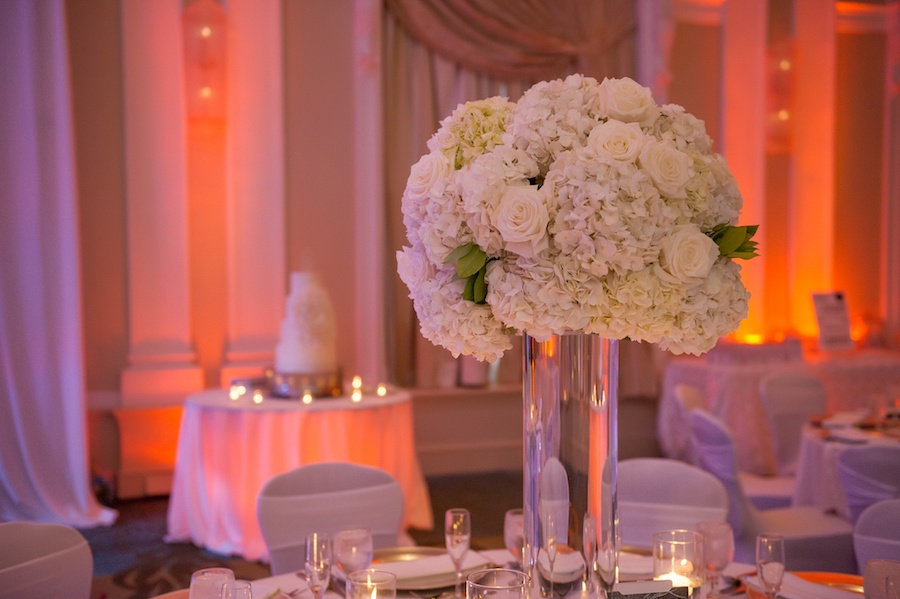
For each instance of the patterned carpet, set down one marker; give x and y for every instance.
(131, 560)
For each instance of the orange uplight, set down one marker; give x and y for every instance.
(753, 338)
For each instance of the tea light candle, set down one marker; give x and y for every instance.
(307, 398)
(257, 397)
(357, 382)
(357, 396)
(381, 390)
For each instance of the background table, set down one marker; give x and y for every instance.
(851, 380)
(228, 449)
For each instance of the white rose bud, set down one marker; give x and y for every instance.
(669, 168)
(687, 254)
(423, 175)
(617, 140)
(522, 220)
(628, 101)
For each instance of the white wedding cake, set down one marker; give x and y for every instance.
(308, 338)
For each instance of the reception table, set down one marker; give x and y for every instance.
(228, 449)
(731, 391)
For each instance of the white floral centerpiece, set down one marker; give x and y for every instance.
(584, 206)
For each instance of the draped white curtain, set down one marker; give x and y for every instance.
(439, 53)
(43, 449)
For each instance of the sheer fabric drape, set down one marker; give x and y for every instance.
(43, 450)
(440, 53)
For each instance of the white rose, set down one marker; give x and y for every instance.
(628, 101)
(669, 168)
(424, 174)
(522, 220)
(687, 254)
(617, 140)
(413, 267)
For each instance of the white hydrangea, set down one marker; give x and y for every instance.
(592, 206)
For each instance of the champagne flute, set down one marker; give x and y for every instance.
(552, 543)
(457, 533)
(718, 550)
(770, 562)
(318, 563)
(207, 583)
(352, 549)
(514, 534)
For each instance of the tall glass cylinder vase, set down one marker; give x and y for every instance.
(570, 466)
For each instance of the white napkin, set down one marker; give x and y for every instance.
(634, 564)
(851, 434)
(408, 572)
(844, 419)
(794, 587)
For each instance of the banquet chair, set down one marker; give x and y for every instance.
(657, 494)
(876, 534)
(813, 540)
(789, 400)
(869, 473)
(44, 560)
(326, 497)
(687, 398)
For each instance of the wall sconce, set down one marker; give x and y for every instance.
(780, 97)
(204, 27)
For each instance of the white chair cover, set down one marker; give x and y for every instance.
(44, 560)
(813, 540)
(687, 398)
(326, 497)
(876, 534)
(869, 474)
(656, 494)
(789, 400)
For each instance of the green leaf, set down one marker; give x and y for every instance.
(735, 242)
(471, 263)
(731, 240)
(743, 255)
(458, 253)
(480, 287)
(469, 291)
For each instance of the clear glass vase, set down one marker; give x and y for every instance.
(570, 425)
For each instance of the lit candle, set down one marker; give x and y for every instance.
(257, 397)
(357, 396)
(680, 580)
(307, 398)
(381, 390)
(357, 382)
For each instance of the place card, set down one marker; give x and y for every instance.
(833, 320)
(648, 589)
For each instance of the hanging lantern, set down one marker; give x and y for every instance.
(204, 27)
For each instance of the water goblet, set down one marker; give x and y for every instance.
(514, 534)
(718, 550)
(770, 562)
(497, 583)
(458, 534)
(236, 589)
(318, 563)
(352, 549)
(207, 583)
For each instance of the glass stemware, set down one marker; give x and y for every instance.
(718, 550)
(458, 534)
(514, 534)
(237, 589)
(497, 583)
(770, 562)
(318, 563)
(352, 549)
(207, 583)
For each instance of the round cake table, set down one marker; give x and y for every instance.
(228, 449)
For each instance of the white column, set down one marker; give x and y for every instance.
(812, 210)
(370, 223)
(743, 130)
(161, 362)
(255, 187)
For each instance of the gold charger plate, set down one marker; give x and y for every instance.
(419, 583)
(846, 582)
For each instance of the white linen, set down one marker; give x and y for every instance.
(732, 394)
(44, 560)
(218, 477)
(43, 451)
(869, 474)
(431, 572)
(794, 587)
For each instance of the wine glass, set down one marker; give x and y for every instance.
(497, 583)
(457, 533)
(318, 563)
(718, 550)
(236, 589)
(352, 549)
(770, 562)
(207, 583)
(514, 534)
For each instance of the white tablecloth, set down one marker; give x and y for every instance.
(732, 393)
(817, 482)
(228, 449)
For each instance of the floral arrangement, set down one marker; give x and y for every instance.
(584, 206)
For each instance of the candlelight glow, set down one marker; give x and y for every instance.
(381, 390)
(357, 382)
(753, 339)
(206, 31)
(357, 396)
(307, 398)
(257, 397)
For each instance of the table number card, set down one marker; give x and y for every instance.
(833, 320)
(648, 589)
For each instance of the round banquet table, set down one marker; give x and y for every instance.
(228, 449)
